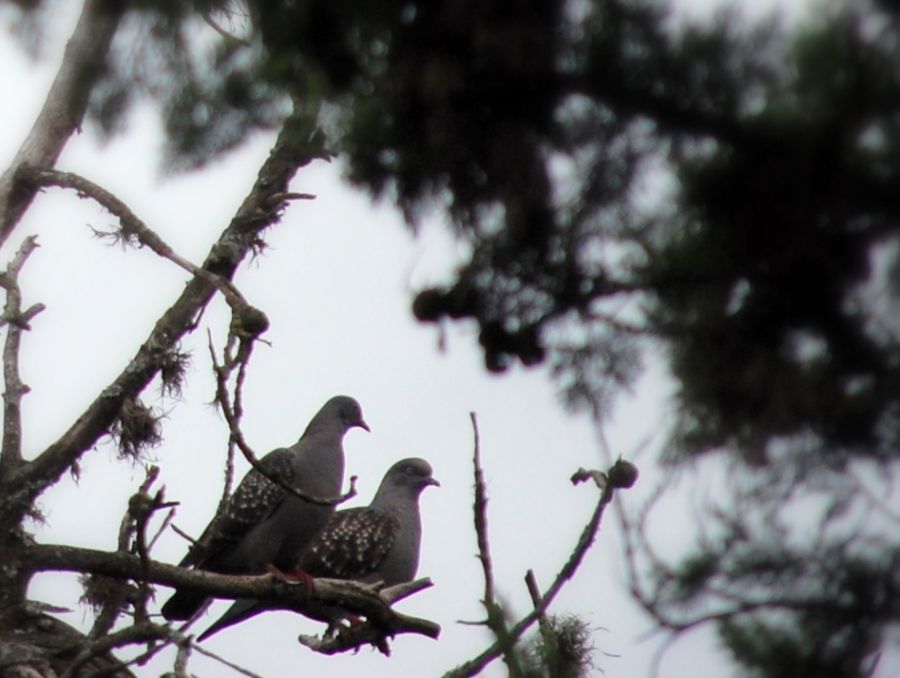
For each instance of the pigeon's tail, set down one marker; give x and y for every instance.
(183, 604)
(243, 608)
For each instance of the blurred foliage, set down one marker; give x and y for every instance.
(723, 190)
(563, 649)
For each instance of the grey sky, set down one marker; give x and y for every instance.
(336, 286)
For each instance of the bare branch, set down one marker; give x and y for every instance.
(184, 535)
(356, 598)
(166, 523)
(480, 517)
(398, 592)
(537, 600)
(131, 635)
(11, 452)
(297, 145)
(34, 641)
(131, 228)
(64, 108)
(231, 665)
(217, 27)
(588, 534)
(495, 620)
(367, 634)
(237, 437)
(181, 659)
(113, 595)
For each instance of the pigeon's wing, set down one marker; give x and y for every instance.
(354, 544)
(255, 498)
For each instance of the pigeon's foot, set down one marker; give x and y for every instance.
(294, 576)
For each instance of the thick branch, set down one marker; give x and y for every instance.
(353, 597)
(495, 621)
(16, 321)
(64, 107)
(232, 414)
(296, 146)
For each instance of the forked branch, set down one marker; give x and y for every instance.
(621, 475)
(359, 599)
(296, 146)
(16, 320)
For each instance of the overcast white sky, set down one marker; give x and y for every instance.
(336, 286)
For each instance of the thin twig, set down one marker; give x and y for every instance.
(354, 637)
(398, 592)
(297, 145)
(537, 600)
(224, 401)
(137, 633)
(231, 665)
(217, 27)
(495, 620)
(64, 106)
(588, 534)
(480, 517)
(167, 521)
(142, 507)
(355, 598)
(131, 228)
(184, 535)
(16, 320)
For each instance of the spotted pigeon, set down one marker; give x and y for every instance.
(376, 543)
(263, 523)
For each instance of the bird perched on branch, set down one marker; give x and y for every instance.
(266, 524)
(375, 543)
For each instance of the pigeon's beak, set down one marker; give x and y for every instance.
(363, 424)
(432, 481)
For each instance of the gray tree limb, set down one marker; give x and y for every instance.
(296, 146)
(355, 598)
(64, 107)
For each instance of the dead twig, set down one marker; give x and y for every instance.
(16, 321)
(358, 599)
(224, 401)
(132, 230)
(495, 620)
(137, 633)
(480, 518)
(537, 601)
(588, 535)
(296, 146)
(64, 107)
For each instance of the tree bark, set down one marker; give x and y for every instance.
(64, 108)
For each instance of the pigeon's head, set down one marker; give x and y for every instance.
(347, 410)
(413, 474)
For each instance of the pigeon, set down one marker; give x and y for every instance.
(263, 524)
(375, 543)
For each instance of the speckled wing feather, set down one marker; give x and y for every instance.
(354, 544)
(254, 499)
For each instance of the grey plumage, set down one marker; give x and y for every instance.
(376, 543)
(265, 524)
